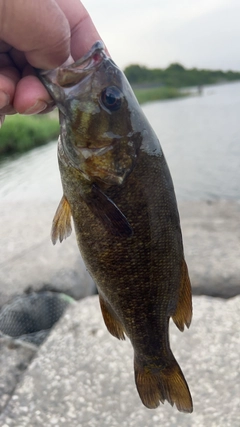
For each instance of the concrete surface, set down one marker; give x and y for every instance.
(82, 376)
(14, 360)
(28, 258)
(211, 235)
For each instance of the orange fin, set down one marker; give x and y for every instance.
(167, 384)
(61, 226)
(183, 313)
(113, 325)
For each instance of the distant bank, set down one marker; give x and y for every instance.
(156, 93)
(177, 76)
(157, 83)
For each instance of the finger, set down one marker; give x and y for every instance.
(41, 31)
(18, 58)
(31, 97)
(4, 47)
(83, 31)
(9, 77)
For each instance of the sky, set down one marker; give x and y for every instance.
(156, 33)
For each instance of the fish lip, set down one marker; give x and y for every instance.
(97, 48)
(80, 68)
(72, 74)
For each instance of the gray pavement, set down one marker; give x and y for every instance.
(82, 376)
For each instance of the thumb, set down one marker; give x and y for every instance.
(38, 28)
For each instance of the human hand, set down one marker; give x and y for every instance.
(40, 34)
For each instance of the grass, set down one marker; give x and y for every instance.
(157, 93)
(21, 133)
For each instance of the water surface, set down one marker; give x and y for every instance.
(200, 136)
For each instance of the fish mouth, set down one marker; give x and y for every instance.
(68, 75)
(91, 58)
(72, 74)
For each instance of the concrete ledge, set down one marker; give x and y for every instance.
(211, 233)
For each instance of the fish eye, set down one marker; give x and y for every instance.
(111, 98)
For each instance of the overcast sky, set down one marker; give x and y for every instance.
(155, 33)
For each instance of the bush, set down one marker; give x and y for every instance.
(21, 133)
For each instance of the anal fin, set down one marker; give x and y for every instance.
(113, 325)
(183, 313)
(61, 226)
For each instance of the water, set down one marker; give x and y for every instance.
(31, 176)
(200, 136)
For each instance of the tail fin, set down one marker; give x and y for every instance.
(167, 384)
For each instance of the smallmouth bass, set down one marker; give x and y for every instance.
(119, 192)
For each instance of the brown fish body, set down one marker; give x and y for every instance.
(119, 192)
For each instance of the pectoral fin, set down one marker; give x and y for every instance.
(109, 214)
(61, 226)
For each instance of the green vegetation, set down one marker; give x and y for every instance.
(21, 133)
(177, 76)
(156, 93)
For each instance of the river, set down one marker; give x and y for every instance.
(200, 136)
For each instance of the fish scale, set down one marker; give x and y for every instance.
(124, 210)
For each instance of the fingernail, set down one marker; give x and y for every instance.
(4, 99)
(36, 108)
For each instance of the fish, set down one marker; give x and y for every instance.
(118, 191)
